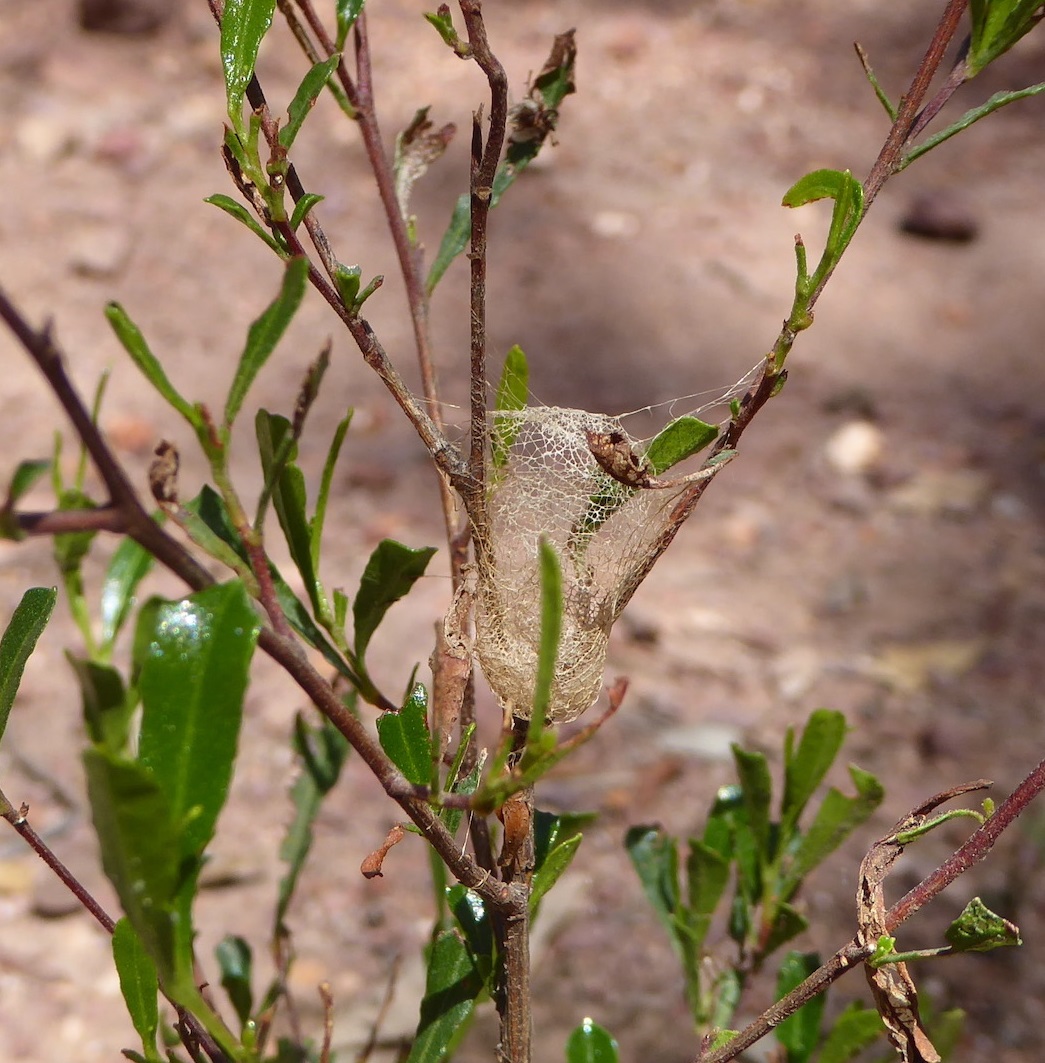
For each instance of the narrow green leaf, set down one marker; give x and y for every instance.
(235, 962)
(139, 985)
(302, 207)
(512, 392)
(978, 929)
(551, 634)
(756, 785)
(996, 26)
(389, 574)
(107, 708)
(590, 1043)
(452, 985)
(18, 642)
(473, 919)
(236, 210)
(304, 99)
(805, 768)
(243, 25)
(127, 567)
(551, 870)
(320, 753)
(818, 184)
(444, 26)
(853, 1030)
(265, 333)
(347, 13)
(134, 344)
(141, 849)
(22, 479)
(286, 482)
(800, 1033)
(654, 856)
(319, 518)
(837, 817)
(192, 686)
(550, 830)
(404, 737)
(682, 438)
(707, 875)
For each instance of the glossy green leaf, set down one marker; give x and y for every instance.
(837, 817)
(551, 634)
(305, 98)
(325, 483)
(996, 26)
(853, 1030)
(139, 985)
(347, 13)
(141, 848)
(512, 392)
(286, 482)
(978, 929)
(682, 438)
(347, 280)
(452, 986)
(236, 210)
(469, 910)
(128, 566)
(590, 1043)
(806, 766)
(389, 574)
(134, 344)
(235, 962)
(18, 642)
(243, 25)
(558, 860)
(107, 709)
(320, 753)
(302, 207)
(654, 856)
(404, 737)
(799, 1033)
(265, 333)
(192, 686)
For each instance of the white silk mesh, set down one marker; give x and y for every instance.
(548, 484)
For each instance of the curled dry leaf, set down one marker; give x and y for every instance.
(372, 864)
(163, 473)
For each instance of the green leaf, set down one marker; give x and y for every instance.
(127, 567)
(756, 786)
(835, 820)
(389, 574)
(853, 1030)
(236, 210)
(141, 849)
(18, 642)
(470, 912)
(192, 686)
(243, 25)
(590, 1043)
(320, 753)
(996, 26)
(22, 479)
(787, 923)
(139, 985)
(848, 196)
(799, 1033)
(304, 99)
(682, 438)
(512, 393)
(551, 870)
(805, 768)
(654, 856)
(707, 875)
(452, 985)
(444, 25)
(134, 344)
(287, 484)
(265, 333)
(347, 13)
(302, 207)
(234, 960)
(107, 709)
(978, 929)
(318, 519)
(404, 737)
(551, 634)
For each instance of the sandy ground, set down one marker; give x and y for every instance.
(876, 547)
